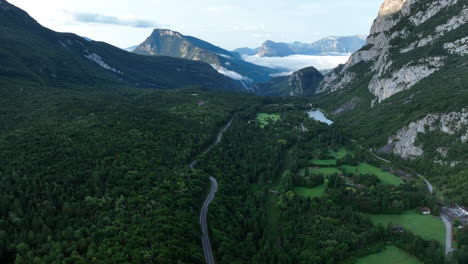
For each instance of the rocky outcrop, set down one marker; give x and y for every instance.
(403, 78)
(458, 47)
(304, 82)
(385, 45)
(403, 143)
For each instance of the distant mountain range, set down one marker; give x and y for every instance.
(325, 46)
(165, 42)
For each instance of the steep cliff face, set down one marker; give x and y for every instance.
(409, 41)
(304, 82)
(408, 83)
(454, 124)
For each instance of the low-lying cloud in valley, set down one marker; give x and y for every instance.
(296, 62)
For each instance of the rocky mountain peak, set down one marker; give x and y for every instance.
(390, 7)
(404, 26)
(167, 32)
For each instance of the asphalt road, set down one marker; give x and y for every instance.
(208, 252)
(429, 185)
(448, 235)
(204, 225)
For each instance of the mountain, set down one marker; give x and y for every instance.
(300, 83)
(273, 49)
(35, 53)
(246, 51)
(405, 92)
(164, 42)
(325, 46)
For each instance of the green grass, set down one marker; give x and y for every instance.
(341, 153)
(316, 192)
(319, 162)
(390, 255)
(266, 119)
(365, 168)
(325, 171)
(426, 226)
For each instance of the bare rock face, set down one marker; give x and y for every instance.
(403, 142)
(387, 43)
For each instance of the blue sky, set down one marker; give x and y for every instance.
(226, 23)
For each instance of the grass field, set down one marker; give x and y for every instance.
(365, 168)
(390, 255)
(339, 154)
(316, 192)
(319, 162)
(325, 171)
(266, 119)
(425, 226)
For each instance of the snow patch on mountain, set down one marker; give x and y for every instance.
(99, 61)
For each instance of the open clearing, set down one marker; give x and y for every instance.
(315, 192)
(365, 168)
(390, 255)
(319, 162)
(426, 226)
(341, 153)
(266, 119)
(325, 171)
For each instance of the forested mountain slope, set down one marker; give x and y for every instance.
(32, 52)
(406, 92)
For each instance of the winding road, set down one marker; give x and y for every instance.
(204, 212)
(207, 251)
(429, 185)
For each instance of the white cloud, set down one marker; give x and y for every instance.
(297, 62)
(280, 74)
(231, 74)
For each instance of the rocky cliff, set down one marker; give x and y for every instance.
(405, 87)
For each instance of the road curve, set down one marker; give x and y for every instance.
(429, 185)
(448, 235)
(445, 219)
(204, 212)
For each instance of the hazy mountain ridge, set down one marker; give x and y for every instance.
(326, 46)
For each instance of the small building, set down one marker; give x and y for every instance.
(397, 229)
(426, 211)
